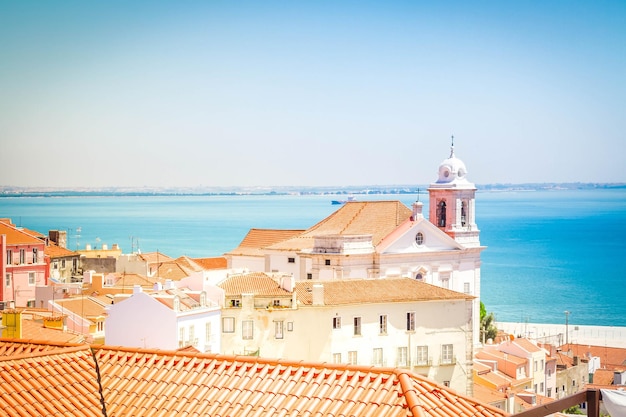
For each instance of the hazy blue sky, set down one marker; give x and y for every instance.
(188, 93)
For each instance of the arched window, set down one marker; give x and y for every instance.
(463, 213)
(441, 214)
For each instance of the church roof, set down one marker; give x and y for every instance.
(376, 218)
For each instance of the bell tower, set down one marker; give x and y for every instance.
(452, 202)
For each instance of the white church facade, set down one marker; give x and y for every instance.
(383, 239)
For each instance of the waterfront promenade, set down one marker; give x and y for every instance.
(607, 336)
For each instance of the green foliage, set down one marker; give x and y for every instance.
(575, 409)
(488, 329)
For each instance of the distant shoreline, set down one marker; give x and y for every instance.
(605, 336)
(12, 191)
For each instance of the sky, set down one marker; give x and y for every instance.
(312, 93)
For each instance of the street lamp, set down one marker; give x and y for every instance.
(566, 326)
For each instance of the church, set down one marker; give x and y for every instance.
(383, 239)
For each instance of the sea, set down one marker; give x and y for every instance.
(551, 255)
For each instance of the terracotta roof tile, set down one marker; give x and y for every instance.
(139, 382)
(376, 218)
(353, 291)
(257, 283)
(16, 236)
(55, 251)
(219, 262)
(610, 357)
(258, 239)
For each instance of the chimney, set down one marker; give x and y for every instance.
(12, 324)
(318, 295)
(287, 282)
(157, 286)
(137, 289)
(169, 285)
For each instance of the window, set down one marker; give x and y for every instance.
(536, 365)
(419, 238)
(419, 276)
(441, 214)
(276, 303)
(235, 303)
(176, 304)
(336, 322)
(357, 326)
(382, 324)
(541, 387)
(463, 213)
(31, 278)
(290, 326)
(192, 335)
(35, 253)
(181, 337)
(535, 388)
(336, 357)
(542, 365)
(446, 354)
(228, 325)
(327, 262)
(22, 256)
(466, 287)
(402, 358)
(352, 357)
(377, 356)
(278, 329)
(549, 394)
(309, 276)
(410, 321)
(247, 329)
(62, 263)
(444, 277)
(291, 260)
(446, 383)
(422, 355)
(31, 303)
(9, 257)
(7, 280)
(207, 332)
(55, 265)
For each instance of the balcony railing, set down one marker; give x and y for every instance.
(591, 396)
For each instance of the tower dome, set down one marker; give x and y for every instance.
(452, 171)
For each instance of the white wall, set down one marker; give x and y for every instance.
(141, 321)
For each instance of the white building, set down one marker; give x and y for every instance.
(397, 322)
(164, 319)
(383, 239)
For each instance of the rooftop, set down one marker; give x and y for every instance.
(83, 380)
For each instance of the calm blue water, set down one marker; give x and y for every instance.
(547, 251)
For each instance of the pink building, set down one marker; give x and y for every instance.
(23, 265)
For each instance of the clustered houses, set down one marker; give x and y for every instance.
(518, 374)
(395, 322)
(375, 284)
(383, 239)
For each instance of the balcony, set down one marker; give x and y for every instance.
(591, 396)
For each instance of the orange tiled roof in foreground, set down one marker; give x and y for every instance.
(66, 381)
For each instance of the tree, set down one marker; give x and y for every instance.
(488, 329)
